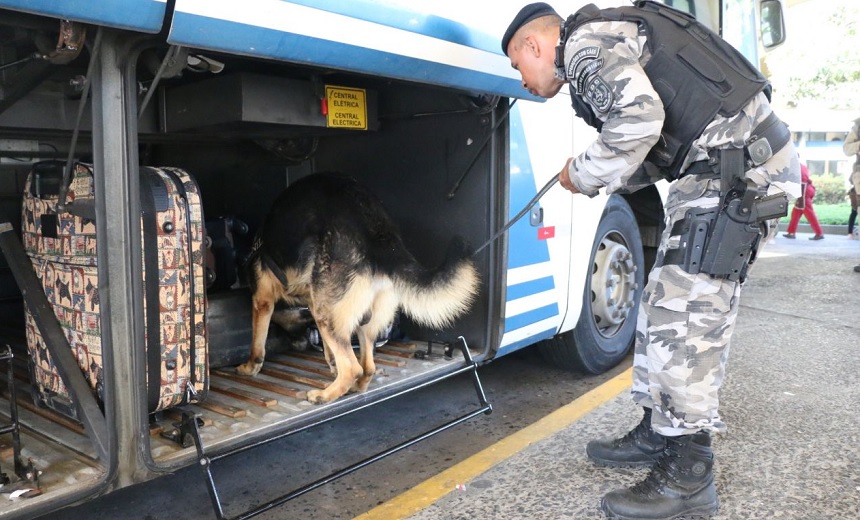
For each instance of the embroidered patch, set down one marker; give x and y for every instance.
(583, 55)
(586, 73)
(598, 93)
(582, 65)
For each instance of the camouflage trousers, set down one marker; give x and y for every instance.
(683, 329)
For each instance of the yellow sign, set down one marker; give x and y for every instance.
(347, 108)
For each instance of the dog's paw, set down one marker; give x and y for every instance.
(249, 369)
(316, 397)
(361, 384)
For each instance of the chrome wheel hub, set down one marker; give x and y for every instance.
(613, 285)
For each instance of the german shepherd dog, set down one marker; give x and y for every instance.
(328, 244)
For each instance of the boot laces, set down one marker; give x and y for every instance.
(640, 431)
(662, 473)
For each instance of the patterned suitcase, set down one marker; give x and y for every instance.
(63, 250)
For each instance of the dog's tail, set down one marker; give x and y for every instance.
(435, 298)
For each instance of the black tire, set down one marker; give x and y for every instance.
(607, 324)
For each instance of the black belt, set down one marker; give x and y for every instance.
(767, 138)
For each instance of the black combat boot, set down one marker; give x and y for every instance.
(680, 485)
(639, 448)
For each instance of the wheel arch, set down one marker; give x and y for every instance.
(647, 206)
(606, 324)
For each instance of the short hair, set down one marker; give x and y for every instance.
(538, 25)
(527, 15)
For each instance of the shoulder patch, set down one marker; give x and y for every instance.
(598, 93)
(583, 64)
(586, 73)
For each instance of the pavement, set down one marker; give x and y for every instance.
(790, 400)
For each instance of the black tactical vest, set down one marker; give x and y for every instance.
(696, 73)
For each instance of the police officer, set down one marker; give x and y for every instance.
(851, 147)
(670, 100)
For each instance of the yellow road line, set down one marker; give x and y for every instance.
(436, 487)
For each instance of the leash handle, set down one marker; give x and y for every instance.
(519, 215)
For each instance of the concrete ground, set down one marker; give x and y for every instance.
(790, 400)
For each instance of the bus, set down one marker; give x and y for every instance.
(238, 95)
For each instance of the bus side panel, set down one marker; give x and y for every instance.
(539, 246)
(532, 308)
(543, 137)
(136, 15)
(432, 53)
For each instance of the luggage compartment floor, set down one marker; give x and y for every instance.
(241, 406)
(55, 446)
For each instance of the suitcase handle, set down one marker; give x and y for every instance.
(47, 181)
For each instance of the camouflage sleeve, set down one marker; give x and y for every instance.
(602, 65)
(852, 142)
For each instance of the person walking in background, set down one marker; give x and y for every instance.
(852, 147)
(852, 217)
(803, 207)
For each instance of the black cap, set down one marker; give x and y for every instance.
(526, 14)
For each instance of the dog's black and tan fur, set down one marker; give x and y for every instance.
(328, 244)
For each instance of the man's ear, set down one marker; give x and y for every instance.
(533, 44)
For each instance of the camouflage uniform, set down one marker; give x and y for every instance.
(685, 320)
(851, 146)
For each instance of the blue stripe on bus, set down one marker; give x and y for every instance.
(525, 342)
(524, 248)
(524, 289)
(197, 31)
(137, 15)
(527, 318)
(408, 20)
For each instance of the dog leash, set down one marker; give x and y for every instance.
(519, 215)
(282, 277)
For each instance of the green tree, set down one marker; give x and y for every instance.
(820, 61)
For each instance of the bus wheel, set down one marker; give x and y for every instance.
(607, 324)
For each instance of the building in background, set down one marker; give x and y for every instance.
(816, 80)
(818, 136)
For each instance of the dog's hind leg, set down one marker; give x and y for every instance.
(382, 314)
(329, 358)
(366, 338)
(348, 368)
(263, 301)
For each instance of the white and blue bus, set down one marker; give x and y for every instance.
(240, 94)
